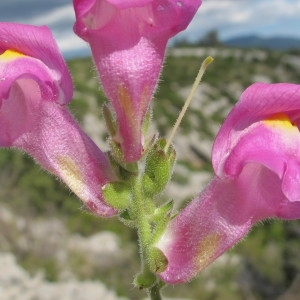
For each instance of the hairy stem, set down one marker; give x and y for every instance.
(154, 292)
(146, 279)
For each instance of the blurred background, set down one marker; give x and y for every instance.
(51, 248)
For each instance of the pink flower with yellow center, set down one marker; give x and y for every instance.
(35, 87)
(128, 40)
(256, 158)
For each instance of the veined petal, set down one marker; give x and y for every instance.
(38, 43)
(14, 65)
(34, 118)
(217, 219)
(256, 157)
(129, 3)
(128, 41)
(263, 128)
(259, 102)
(274, 143)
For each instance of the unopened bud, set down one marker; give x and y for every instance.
(158, 169)
(145, 280)
(157, 260)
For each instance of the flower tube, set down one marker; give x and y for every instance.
(35, 87)
(256, 158)
(128, 40)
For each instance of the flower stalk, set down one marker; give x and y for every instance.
(154, 292)
(187, 103)
(146, 279)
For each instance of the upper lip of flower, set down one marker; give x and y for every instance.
(38, 43)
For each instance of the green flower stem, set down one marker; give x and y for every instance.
(146, 279)
(144, 228)
(154, 292)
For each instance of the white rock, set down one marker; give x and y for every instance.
(17, 284)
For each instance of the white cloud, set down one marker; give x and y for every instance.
(233, 17)
(62, 14)
(60, 20)
(71, 43)
(229, 17)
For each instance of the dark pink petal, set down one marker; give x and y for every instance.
(274, 145)
(263, 128)
(260, 101)
(28, 67)
(256, 157)
(34, 118)
(37, 42)
(218, 218)
(47, 132)
(128, 41)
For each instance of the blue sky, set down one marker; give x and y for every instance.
(229, 17)
(240, 17)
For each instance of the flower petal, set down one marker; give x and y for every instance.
(274, 145)
(37, 42)
(263, 128)
(256, 157)
(128, 41)
(258, 102)
(14, 65)
(217, 219)
(34, 118)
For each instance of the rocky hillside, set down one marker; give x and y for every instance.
(51, 249)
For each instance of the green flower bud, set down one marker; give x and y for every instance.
(158, 169)
(157, 260)
(145, 280)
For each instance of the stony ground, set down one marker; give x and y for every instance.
(48, 239)
(17, 284)
(42, 260)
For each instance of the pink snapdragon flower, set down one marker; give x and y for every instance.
(128, 40)
(35, 87)
(256, 158)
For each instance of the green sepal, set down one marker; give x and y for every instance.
(146, 122)
(158, 168)
(110, 120)
(145, 280)
(126, 218)
(157, 260)
(117, 195)
(161, 217)
(115, 154)
(162, 212)
(116, 157)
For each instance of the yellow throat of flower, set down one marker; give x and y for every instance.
(280, 120)
(10, 55)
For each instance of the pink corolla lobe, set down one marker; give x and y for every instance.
(128, 40)
(256, 158)
(35, 87)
